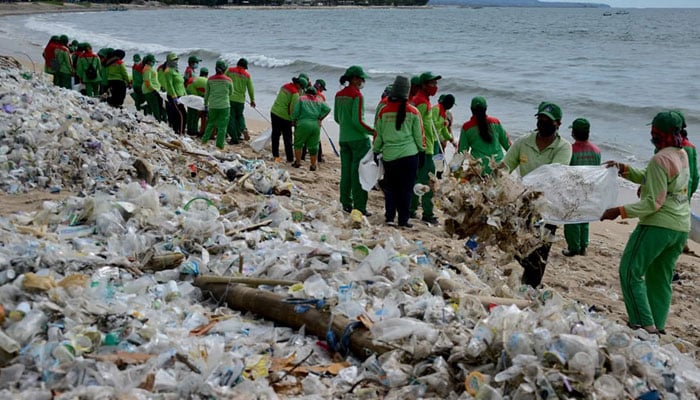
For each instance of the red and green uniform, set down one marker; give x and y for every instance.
(525, 155)
(198, 87)
(136, 83)
(65, 66)
(242, 82)
(118, 79)
(281, 118)
(649, 258)
(399, 150)
(422, 103)
(150, 89)
(189, 75)
(443, 122)
(216, 99)
(471, 141)
(307, 115)
(50, 65)
(583, 153)
(92, 85)
(175, 88)
(354, 134)
(693, 165)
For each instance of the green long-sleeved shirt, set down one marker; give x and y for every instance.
(663, 198)
(137, 75)
(405, 142)
(150, 80)
(442, 120)
(422, 103)
(349, 113)
(198, 87)
(174, 83)
(218, 92)
(309, 110)
(65, 64)
(84, 61)
(285, 101)
(242, 82)
(117, 72)
(162, 76)
(471, 141)
(525, 154)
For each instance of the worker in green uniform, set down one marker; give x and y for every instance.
(216, 100)
(483, 136)
(151, 87)
(117, 77)
(649, 258)
(242, 83)
(428, 87)
(198, 87)
(65, 64)
(281, 117)
(354, 137)
(308, 115)
(137, 81)
(175, 88)
(49, 54)
(400, 141)
(543, 146)
(88, 69)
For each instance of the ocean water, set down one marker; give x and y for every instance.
(617, 71)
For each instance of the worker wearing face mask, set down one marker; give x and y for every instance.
(543, 146)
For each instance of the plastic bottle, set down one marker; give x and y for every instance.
(482, 336)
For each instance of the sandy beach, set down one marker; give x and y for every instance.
(591, 280)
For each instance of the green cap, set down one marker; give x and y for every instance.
(320, 83)
(580, 125)
(149, 58)
(63, 39)
(304, 75)
(301, 81)
(479, 102)
(171, 57)
(428, 76)
(310, 90)
(415, 80)
(55, 38)
(667, 122)
(84, 45)
(243, 63)
(551, 110)
(355, 71)
(137, 57)
(74, 42)
(193, 59)
(681, 116)
(221, 65)
(204, 71)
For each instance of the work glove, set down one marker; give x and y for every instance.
(421, 159)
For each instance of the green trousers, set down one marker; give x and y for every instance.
(236, 122)
(427, 199)
(137, 95)
(576, 237)
(646, 272)
(192, 121)
(351, 193)
(92, 89)
(63, 80)
(217, 118)
(153, 105)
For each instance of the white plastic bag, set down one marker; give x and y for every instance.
(574, 194)
(192, 101)
(694, 228)
(370, 172)
(262, 140)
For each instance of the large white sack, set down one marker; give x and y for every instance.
(192, 101)
(694, 228)
(574, 194)
(262, 140)
(369, 171)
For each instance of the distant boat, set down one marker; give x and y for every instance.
(118, 8)
(607, 14)
(622, 12)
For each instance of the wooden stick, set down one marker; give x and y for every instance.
(272, 307)
(244, 280)
(253, 227)
(454, 289)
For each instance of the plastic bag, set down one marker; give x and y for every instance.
(262, 140)
(574, 194)
(370, 172)
(694, 228)
(192, 101)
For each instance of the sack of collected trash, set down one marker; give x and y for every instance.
(370, 172)
(261, 141)
(192, 101)
(574, 194)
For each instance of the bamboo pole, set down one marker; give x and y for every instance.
(244, 280)
(272, 307)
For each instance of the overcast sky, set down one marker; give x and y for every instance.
(644, 3)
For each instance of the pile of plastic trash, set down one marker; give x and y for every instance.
(99, 297)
